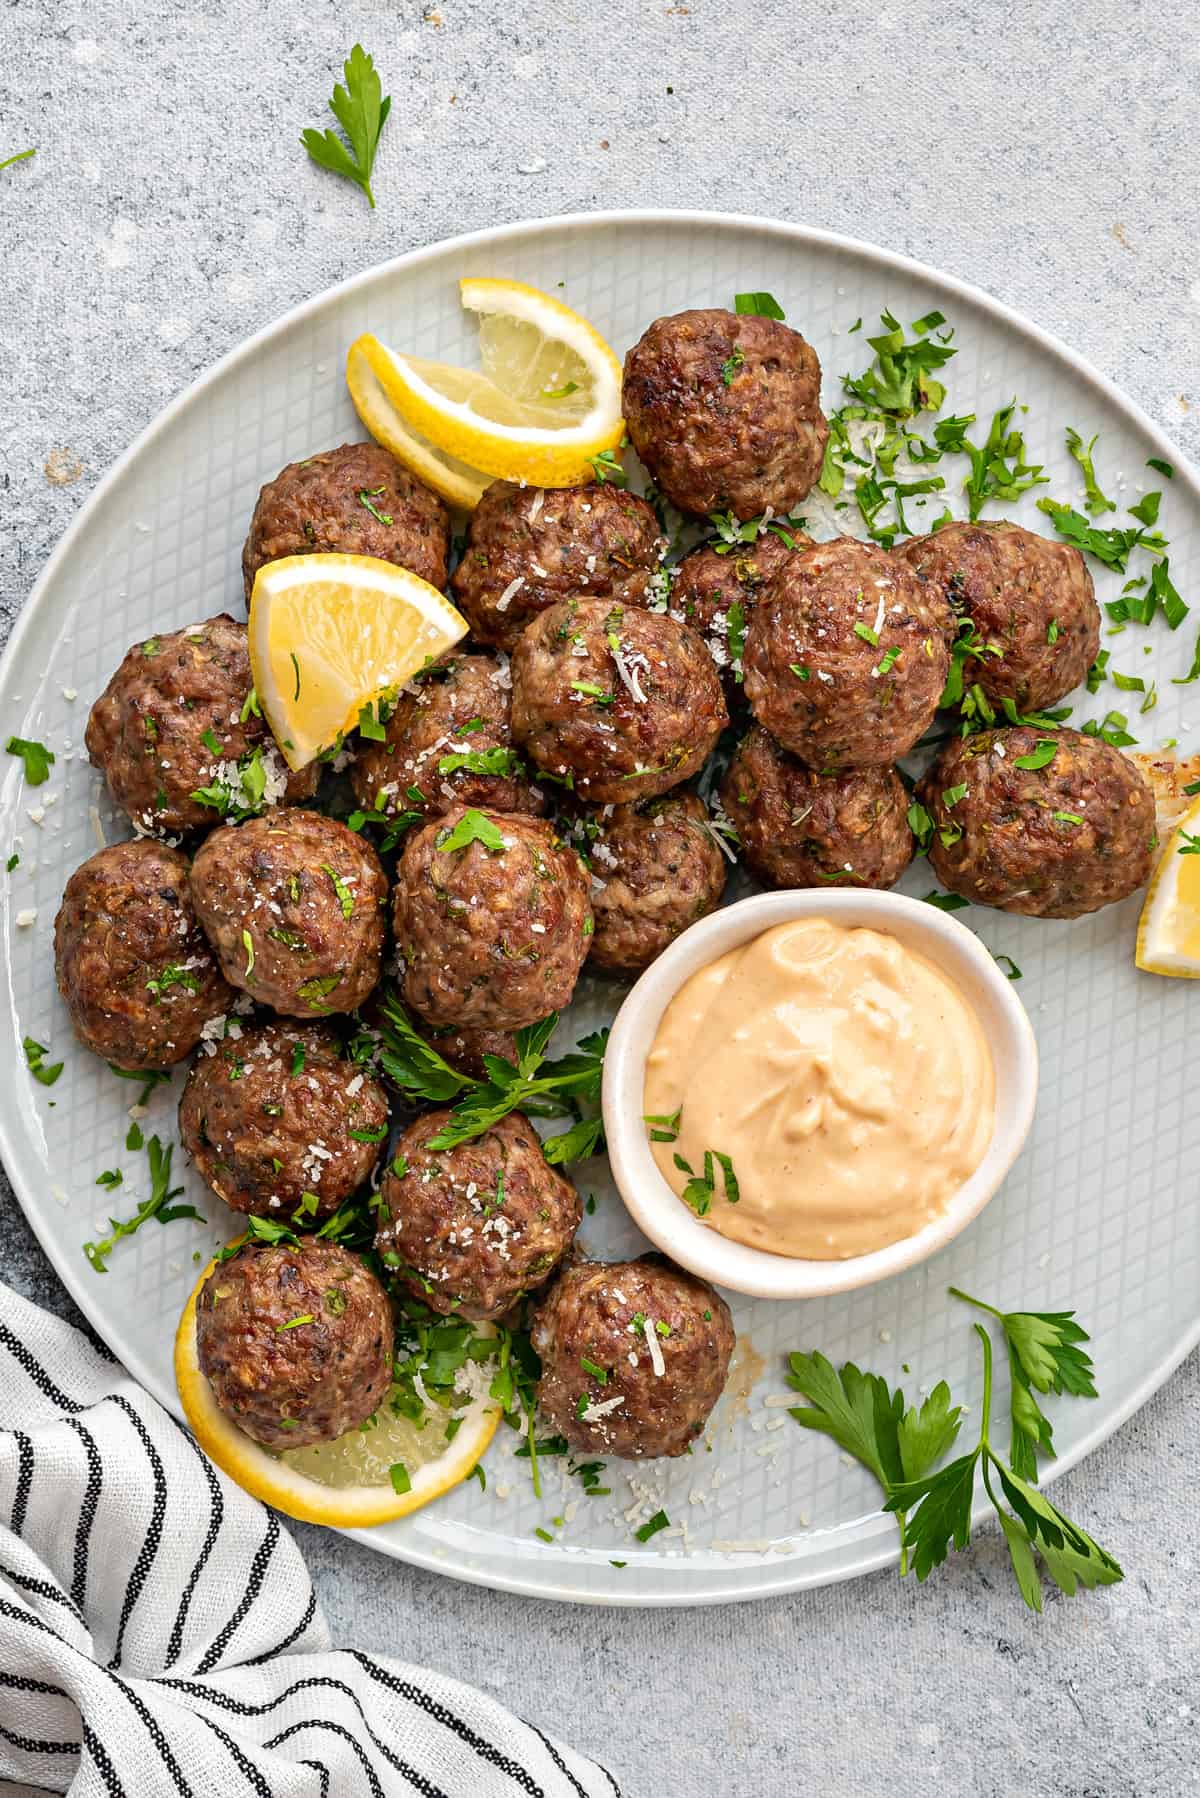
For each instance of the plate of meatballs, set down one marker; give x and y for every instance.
(748, 654)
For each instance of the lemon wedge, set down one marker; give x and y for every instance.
(348, 1483)
(1168, 939)
(545, 401)
(368, 366)
(329, 634)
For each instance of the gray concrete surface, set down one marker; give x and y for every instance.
(1045, 151)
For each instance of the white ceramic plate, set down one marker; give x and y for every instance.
(1101, 1212)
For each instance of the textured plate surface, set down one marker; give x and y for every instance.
(1102, 1211)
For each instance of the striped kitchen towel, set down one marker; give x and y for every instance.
(159, 1633)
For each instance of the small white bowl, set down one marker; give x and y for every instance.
(663, 1216)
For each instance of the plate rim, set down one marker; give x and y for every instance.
(768, 1582)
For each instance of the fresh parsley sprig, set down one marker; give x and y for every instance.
(158, 1205)
(361, 109)
(558, 1088)
(933, 1506)
(1043, 1356)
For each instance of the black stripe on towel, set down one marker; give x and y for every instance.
(216, 1516)
(87, 1512)
(150, 1545)
(336, 1729)
(16, 1522)
(265, 1550)
(432, 1708)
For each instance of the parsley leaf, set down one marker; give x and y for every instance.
(472, 827)
(1113, 547)
(361, 109)
(21, 156)
(158, 1205)
(1044, 1355)
(1096, 501)
(35, 1056)
(757, 305)
(37, 758)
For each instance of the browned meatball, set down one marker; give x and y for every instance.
(355, 501)
(175, 720)
(634, 1355)
(449, 742)
(291, 904)
(133, 965)
(656, 868)
(295, 1341)
(715, 594)
(1056, 839)
(725, 411)
(847, 657)
(618, 704)
(800, 829)
(1031, 601)
(465, 1049)
(529, 547)
(471, 1230)
(492, 920)
(277, 1121)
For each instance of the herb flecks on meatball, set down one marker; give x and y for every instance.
(717, 587)
(356, 500)
(1031, 603)
(291, 904)
(801, 829)
(656, 868)
(449, 742)
(1051, 824)
(470, 1230)
(180, 738)
(492, 920)
(634, 1355)
(847, 657)
(725, 411)
(530, 547)
(295, 1340)
(278, 1123)
(618, 704)
(135, 970)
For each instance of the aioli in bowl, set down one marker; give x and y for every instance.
(834, 1089)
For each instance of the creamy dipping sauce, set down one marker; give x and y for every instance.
(845, 1077)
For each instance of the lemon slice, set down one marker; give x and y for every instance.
(367, 365)
(545, 401)
(329, 634)
(348, 1483)
(1168, 939)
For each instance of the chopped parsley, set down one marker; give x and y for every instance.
(946, 901)
(1096, 502)
(158, 1205)
(757, 305)
(609, 469)
(664, 1126)
(318, 989)
(237, 790)
(37, 758)
(367, 499)
(498, 761)
(1042, 753)
(294, 1323)
(1113, 547)
(345, 897)
(701, 1189)
(731, 365)
(35, 1056)
(172, 975)
(866, 633)
(472, 827)
(659, 1521)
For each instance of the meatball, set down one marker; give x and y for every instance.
(656, 868)
(449, 742)
(134, 968)
(800, 829)
(276, 1121)
(295, 1341)
(724, 410)
(634, 1356)
(291, 904)
(492, 920)
(465, 1049)
(715, 594)
(175, 720)
(356, 500)
(471, 1230)
(618, 704)
(847, 657)
(1070, 831)
(529, 547)
(1031, 601)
